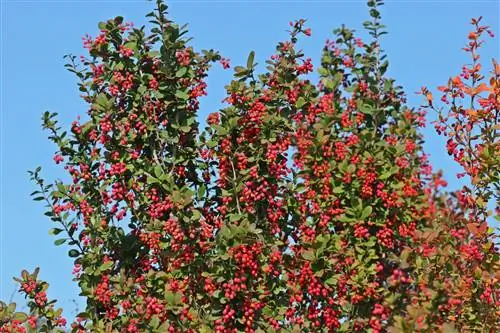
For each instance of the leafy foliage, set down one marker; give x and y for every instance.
(301, 207)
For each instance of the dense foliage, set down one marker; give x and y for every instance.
(301, 207)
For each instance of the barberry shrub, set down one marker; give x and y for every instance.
(301, 207)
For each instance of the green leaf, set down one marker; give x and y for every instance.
(181, 72)
(331, 281)
(11, 307)
(158, 171)
(205, 329)
(107, 265)
(73, 253)
(250, 59)
(345, 218)
(131, 45)
(201, 191)
(322, 71)
(239, 69)
(182, 94)
(221, 130)
(387, 85)
(61, 188)
(385, 175)
(328, 84)
(365, 108)
(22, 317)
(172, 298)
(61, 241)
(366, 212)
(338, 190)
(196, 215)
(155, 322)
(267, 310)
(83, 315)
(235, 217)
(102, 100)
(176, 196)
(226, 232)
(55, 231)
(300, 102)
(337, 78)
(308, 255)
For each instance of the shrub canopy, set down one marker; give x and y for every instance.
(301, 207)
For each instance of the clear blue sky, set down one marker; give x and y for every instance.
(424, 42)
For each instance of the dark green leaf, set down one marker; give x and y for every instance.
(58, 242)
(250, 59)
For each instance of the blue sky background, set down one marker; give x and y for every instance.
(424, 47)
